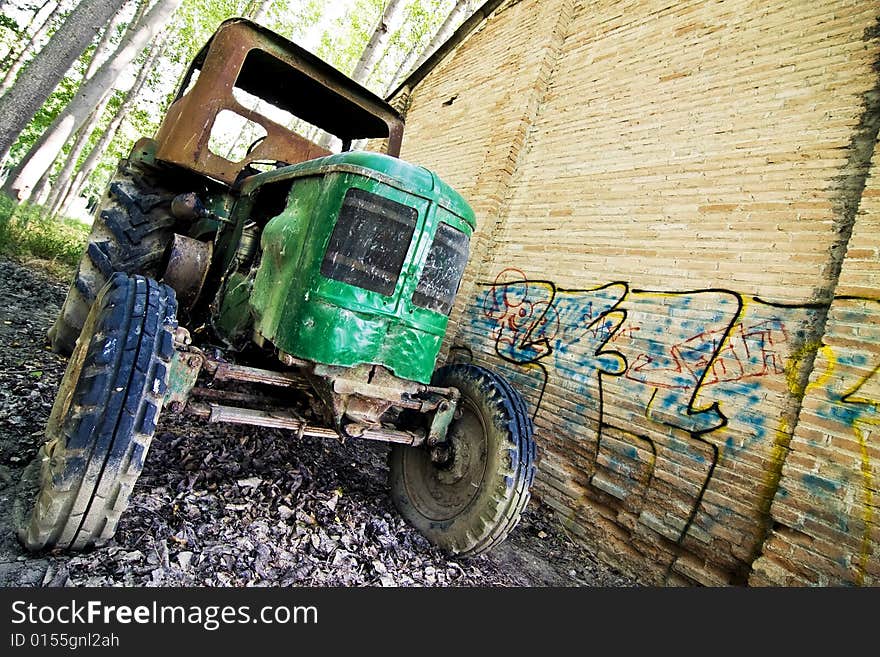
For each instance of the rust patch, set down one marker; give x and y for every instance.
(243, 54)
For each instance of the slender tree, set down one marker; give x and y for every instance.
(50, 143)
(420, 34)
(417, 56)
(376, 45)
(21, 101)
(74, 185)
(370, 54)
(29, 47)
(258, 10)
(104, 49)
(44, 193)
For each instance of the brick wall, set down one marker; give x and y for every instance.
(826, 521)
(477, 107)
(666, 193)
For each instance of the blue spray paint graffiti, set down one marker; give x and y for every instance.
(667, 382)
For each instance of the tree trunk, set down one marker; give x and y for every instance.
(455, 18)
(417, 57)
(376, 45)
(67, 181)
(41, 194)
(62, 182)
(74, 185)
(373, 50)
(105, 48)
(42, 74)
(22, 57)
(452, 20)
(41, 191)
(258, 10)
(50, 143)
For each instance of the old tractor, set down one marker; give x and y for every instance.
(282, 286)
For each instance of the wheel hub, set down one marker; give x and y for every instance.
(442, 482)
(457, 461)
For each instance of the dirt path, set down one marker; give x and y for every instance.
(235, 506)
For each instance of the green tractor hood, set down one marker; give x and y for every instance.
(363, 263)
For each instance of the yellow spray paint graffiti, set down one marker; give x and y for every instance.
(675, 392)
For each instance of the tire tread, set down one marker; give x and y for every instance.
(130, 233)
(89, 469)
(501, 513)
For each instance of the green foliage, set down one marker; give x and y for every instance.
(344, 42)
(11, 33)
(345, 29)
(25, 233)
(294, 19)
(8, 23)
(194, 22)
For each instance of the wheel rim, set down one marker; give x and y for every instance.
(442, 492)
(67, 387)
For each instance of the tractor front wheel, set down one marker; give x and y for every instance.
(103, 418)
(473, 499)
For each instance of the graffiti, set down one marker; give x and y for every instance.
(850, 395)
(750, 351)
(667, 382)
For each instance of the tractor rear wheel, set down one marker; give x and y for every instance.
(473, 500)
(103, 419)
(130, 234)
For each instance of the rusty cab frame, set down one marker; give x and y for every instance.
(242, 56)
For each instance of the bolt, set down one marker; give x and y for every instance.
(181, 336)
(440, 454)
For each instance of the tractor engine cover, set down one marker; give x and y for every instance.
(363, 264)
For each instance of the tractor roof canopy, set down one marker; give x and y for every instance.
(251, 74)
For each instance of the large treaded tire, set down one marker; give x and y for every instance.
(103, 418)
(472, 503)
(131, 231)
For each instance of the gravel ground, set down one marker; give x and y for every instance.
(221, 505)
